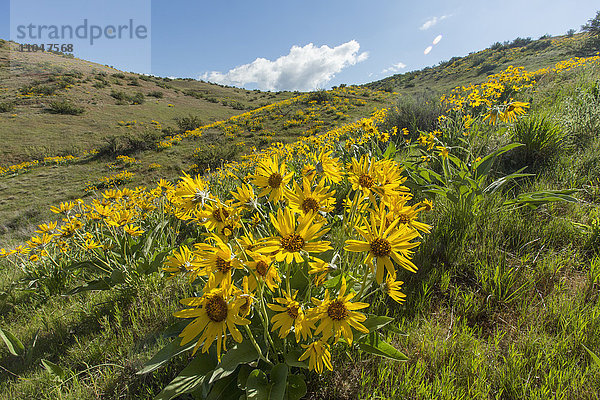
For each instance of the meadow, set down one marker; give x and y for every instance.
(368, 245)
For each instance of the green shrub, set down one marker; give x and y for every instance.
(65, 107)
(320, 96)
(156, 93)
(7, 106)
(119, 75)
(125, 98)
(188, 123)
(418, 113)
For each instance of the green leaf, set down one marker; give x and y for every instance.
(14, 345)
(55, 370)
(296, 387)
(225, 389)
(375, 345)
(117, 276)
(97, 284)
(376, 322)
(279, 375)
(390, 152)
(241, 353)
(484, 166)
(594, 356)
(257, 386)
(191, 378)
(535, 199)
(499, 183)
(291, 359)
(242, 377)
(164, 355)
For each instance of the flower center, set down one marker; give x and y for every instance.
(310, 204)
(381, 247)
(275, 180)
(365, 181)
(223, 265)
(220, 214)
(216, 308)
(337, 311)
(403, 219)
(292, 242)
(262, 268)
(199, 196)
(292, 311)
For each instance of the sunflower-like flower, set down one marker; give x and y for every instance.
(218, 259)
(295, 238)
(370, 177)
(512, 110)
(216, 215)
(183, 260)
(320, 269)
(384, 243)
(318, 355)
(272, 177)
(290, 314)
(190, 196)
(307, 200)
(245, 197)
(264, 270)
(215, 313)
(338, 315)
(329, 167)
(404, 214)
(392, 288)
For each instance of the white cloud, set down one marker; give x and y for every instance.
(437, 39)
(432, 21)
(304, 68)
(427, 50)
(394, 68)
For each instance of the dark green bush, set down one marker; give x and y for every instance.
(65, 107)
(418, 113)
(156, 93)
(541, 136)
(320, 96)
(125, 98)
(7, 106)
(188, 123)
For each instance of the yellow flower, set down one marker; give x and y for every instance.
(384, 244)
(264, 270)
(320, 269)
(215, 313)
(295, 238)
(318, 355)
(133, 230)
(290, 314)
(513, 109)
(307, 201)
(272, 177)
(443, 151)
(190, 195)
(392, 288)
(338, 315)
(216, 216)
(244, 195)
(217, 259)
(182, 260)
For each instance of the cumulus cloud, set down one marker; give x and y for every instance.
(432, 21)
(304, 68)
(394, 68)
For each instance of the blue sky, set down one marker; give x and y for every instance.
(353, 42)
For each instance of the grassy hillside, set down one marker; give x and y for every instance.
(499, 299)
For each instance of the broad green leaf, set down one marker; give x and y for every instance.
(535, 199)
(14, 345)
(54, 369)
(241, 353)
(291, 359)
(296, 387)
(484, 166)
(225, 389)
(257, 386)
(390, 151)
(117, 276)
(165, 354)
(499, 183)
(376, 322)
(375, 345)
(594, 356)
(279, 375)
(191, 378)
(242, 377)
(97, 284)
